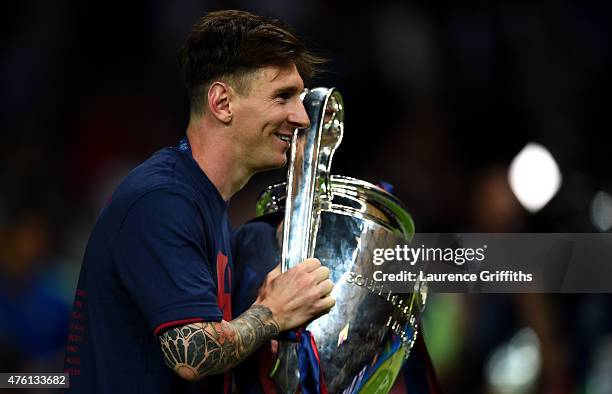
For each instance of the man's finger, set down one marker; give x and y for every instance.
(325, 287)
(321, 274)
(325, 303)
(311, 264)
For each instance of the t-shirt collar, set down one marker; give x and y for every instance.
(185, 147)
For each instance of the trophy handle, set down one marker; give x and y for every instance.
(312, 151)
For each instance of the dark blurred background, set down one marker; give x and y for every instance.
(440, 98)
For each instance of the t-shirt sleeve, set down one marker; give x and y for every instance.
(160, 257)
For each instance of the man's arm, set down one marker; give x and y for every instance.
(207, 348)
(285, 301)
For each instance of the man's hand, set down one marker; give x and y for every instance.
(297, 296)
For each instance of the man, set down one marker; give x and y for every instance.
(152, 311)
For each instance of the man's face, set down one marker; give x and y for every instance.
(265, 116)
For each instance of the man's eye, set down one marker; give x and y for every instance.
(283, 96)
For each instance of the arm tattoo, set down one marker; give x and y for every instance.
(207, 348)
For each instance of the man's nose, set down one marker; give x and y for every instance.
(298, 116)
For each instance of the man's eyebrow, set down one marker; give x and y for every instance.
(287, 89)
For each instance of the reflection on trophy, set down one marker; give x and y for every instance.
(364, 340)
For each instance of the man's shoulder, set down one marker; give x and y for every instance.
(164, 186)
(155, 171)
(159, 173)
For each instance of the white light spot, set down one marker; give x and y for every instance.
(515, 366)
(601, 211)
(534, 177)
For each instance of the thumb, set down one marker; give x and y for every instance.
(274, 273)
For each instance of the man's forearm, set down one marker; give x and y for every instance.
(200, 349)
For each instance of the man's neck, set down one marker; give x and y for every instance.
(214, 154)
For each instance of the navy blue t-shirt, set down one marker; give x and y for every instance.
(158, 257)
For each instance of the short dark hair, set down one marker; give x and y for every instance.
(232, 44)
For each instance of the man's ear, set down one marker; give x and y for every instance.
(219, 95)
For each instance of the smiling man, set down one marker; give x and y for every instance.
(253, 126)
(153, 310)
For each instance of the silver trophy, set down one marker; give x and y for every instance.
(364, 340)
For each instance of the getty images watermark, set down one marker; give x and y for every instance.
(492, 263)
(457, 256)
